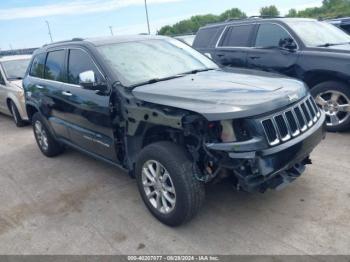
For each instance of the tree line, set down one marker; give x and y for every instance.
(329, 9)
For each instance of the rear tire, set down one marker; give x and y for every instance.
(179, 193)
(333, 97)
(45, 140)
(15, 115)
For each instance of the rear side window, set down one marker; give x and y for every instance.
(38, 65)
(80, 61)
(237, 36)
(54, 69)
(270, 35)
(205, 36)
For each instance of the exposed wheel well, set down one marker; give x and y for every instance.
(31, 110)
(314, 78)
(160, 133)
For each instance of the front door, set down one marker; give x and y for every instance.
(268, 54)
(87, 110)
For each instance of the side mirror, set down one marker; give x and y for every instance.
(87, 78)
(288, 44)
(88, 81)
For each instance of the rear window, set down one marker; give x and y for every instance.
(237, 36)
(37, 69)
(205, 37)
(54, 69)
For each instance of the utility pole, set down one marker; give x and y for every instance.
(149, 30)
(111, 28)
(48, 27)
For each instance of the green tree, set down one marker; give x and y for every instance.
(269, 11)
(232, 13)
(190, 26)
(292, 13)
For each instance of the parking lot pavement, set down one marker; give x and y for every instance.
(73, 204)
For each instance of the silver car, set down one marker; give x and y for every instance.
(12, 70)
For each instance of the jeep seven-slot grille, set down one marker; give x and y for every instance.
(290, 123)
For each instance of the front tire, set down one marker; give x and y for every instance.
(45, 140)
(167, 185)
(16, 116)
(334, 98)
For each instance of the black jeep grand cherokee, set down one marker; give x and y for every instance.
(167, 114)
(316, 52)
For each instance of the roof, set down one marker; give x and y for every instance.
(14, 57)
(106, 40)
(255, 19)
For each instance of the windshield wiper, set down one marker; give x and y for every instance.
(156, 80)
(15, 78)
(197, 71)
(332, 44)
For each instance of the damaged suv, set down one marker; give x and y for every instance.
(170, 117)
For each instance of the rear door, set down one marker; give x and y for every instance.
(87, 110)
(232, 47)
(51, 91)
(267, 55)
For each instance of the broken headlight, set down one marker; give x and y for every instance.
(227, 133)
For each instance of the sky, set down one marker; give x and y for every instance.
(23, 22)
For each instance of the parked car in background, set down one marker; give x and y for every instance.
(342, 23)
(187, 39)
(167, 114)
(12, 71)
(314, 51)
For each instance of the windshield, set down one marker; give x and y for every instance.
(15, 69)
(315, 33)
(142, 61)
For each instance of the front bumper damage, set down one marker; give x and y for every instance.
(258, 168)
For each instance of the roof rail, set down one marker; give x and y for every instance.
(253, 17)
(265, 16)
(76, 39)
(234, 19)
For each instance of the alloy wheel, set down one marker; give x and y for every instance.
(41, 136)
(336, 106)
(158, 186)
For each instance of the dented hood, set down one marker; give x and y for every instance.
(219, 94)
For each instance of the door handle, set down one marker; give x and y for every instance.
(66, 93)
(39, 87)
(254, 57)
(221, 55)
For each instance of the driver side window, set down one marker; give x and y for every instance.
(271, 35)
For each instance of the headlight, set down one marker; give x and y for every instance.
(228, 133)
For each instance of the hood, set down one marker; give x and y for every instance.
(219, 95)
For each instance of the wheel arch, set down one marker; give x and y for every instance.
(313, 78)
(151, 133)
(31, 110)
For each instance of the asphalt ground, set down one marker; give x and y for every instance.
(73, 204)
